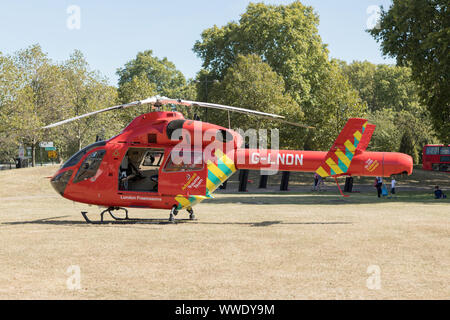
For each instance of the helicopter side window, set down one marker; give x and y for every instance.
(191, 161)
(90, 165)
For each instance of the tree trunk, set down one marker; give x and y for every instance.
(33, 154)
(79, 138)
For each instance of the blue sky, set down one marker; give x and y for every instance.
(112, 32)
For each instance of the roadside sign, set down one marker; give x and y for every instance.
(52, 154)
(21, 152)
(46, 144)
(50, 148)
(24, 153)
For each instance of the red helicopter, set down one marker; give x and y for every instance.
(163, 161)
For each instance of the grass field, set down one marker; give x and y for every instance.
(254, 245)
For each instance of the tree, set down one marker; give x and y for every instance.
(251, 83)
(35, 99)
(9, 84)
(417, 33)
(34, 92)
(137, 89)
(161, 73)
(189, 92)
(386, 135)
(88, 91)
(286, 38)
(407, 146)
(393, 125)
(338, 102)
(146, 76)
(384, 86)
(393, 102)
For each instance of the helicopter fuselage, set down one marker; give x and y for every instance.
(187, 161)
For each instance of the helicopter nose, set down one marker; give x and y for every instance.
(60, 180)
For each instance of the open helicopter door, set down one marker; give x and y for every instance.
(139, 168)
(183, 176)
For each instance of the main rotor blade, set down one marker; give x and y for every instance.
(164, 100)
(158, 101)
(151, 100)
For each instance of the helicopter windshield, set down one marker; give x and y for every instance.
(73, 160)
(90, 165)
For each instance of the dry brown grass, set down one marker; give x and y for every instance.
(266, 247)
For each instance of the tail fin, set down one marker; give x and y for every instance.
(354, 138)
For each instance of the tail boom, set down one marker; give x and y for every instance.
(347, 156)
(366, 163)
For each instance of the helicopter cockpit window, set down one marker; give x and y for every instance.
(90, 165)
(73, 160)
(179, 162)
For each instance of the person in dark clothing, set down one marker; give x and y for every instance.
(378, 185)
(438, 194)
(128, 171)
(316, 181)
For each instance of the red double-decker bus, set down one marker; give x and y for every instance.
(436, 157)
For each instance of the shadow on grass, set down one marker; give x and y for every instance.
(51, 221)
(322, 199)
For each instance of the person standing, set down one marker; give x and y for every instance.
(316, 181)
(379, 181)
(321, 184)
(393, 183)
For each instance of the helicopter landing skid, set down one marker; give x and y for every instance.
(109, 210)
(127, 220)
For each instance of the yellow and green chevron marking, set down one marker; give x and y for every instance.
(220, 172)
(339, 161)
(188, 201)
(217, 174)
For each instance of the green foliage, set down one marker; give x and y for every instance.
(137, 89)
(204, 81)
(271, 60)
(87, 92)
(407, 146)
(34, 92)
(146, 76)
(386, 136)
(161, 73)
(40, 92)
(393, 125)
(189, 92)
(417, 33)
(384, 86)
(286, 37)
(394, 105)
(251, 83)
(9, 85)
(339, 102)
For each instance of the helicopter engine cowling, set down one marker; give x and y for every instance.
(171, 128)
